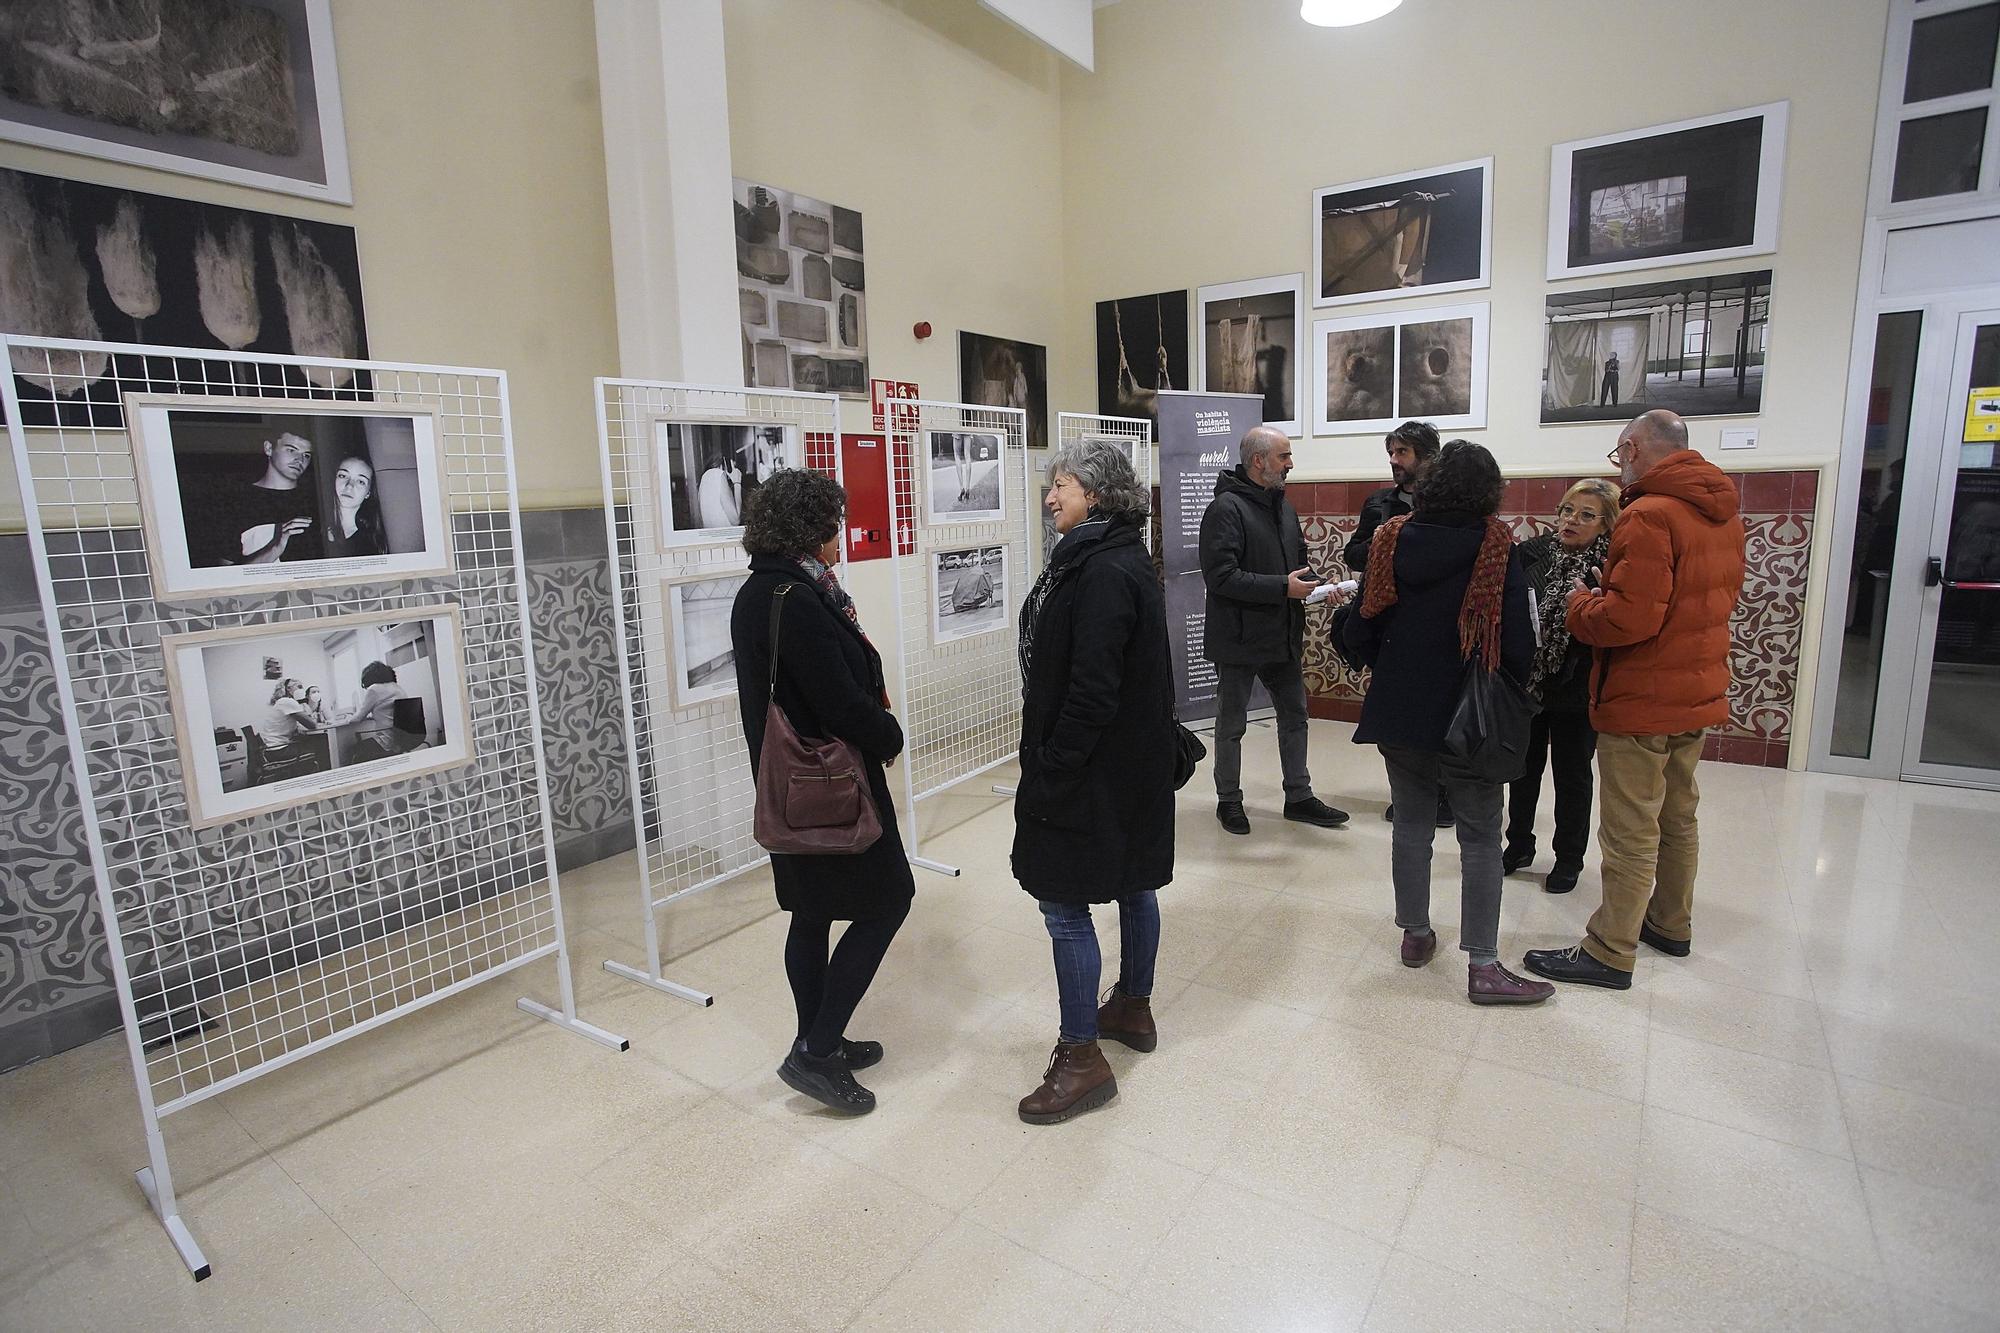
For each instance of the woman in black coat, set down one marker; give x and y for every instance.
(830, 685)
(1094, 813)
(1562, 737)
(1442, 590)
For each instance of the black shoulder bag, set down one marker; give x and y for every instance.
(1487, 739)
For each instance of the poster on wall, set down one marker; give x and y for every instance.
(1142, 349)
(708, 470)
(1250, 344)
(1417, 234)
(270, 716)
(704, 656)
(246, 495)
(968, 593)
(962, 477)
(242, 91)
(802, 292)
(1695, 346)
(1000, 372)
(1691, 191)
(95, 263)
(1372, 372)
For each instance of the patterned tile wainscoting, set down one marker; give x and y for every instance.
(1778, 511)
(55, 986)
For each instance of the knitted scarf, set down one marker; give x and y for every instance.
(828, 583)
(1478, 614)
(1552, 607)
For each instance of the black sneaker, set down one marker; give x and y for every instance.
(1230, 815)
(1563, 878)
(1312, 810)
(1675, 948)
(860, 1054)
(1518, 856)
(827, 1081)
(1573, 964)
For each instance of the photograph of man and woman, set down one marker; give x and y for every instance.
(245, 495)
(271, 715)
(710, 469)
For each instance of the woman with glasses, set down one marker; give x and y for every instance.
(1562, 737)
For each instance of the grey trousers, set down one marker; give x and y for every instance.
(1287, 683)
(1414, 779)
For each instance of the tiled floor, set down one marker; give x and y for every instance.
(1794, 1128)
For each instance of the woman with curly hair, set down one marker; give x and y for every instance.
(830, 685)
(1443, 590)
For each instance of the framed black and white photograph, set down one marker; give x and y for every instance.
(1142, 348)
(962, 472)
(968, 592)
(1692, 191)
(703, 654)
(270, 716)
(1373, 372)
(246, 495)
(802, 288)
(1001, 372)
(1420, 233)
(1250, 344)
(1695, 346)
(708, 471)
(243, 91)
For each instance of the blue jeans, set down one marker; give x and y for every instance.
(1079, 965)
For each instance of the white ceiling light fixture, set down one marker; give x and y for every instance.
(1344, 13)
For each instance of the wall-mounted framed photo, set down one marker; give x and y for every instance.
(708, 470)
(802, 292)
(969, 592)
(1250, 342)
(962, 472)
(1004, 372)
(1694, 346)
(704, 656)
(248, 495)
(243, 91)
(276, 715)
(1373, 372)
(1690, 192)
(1419, 233)
(1142, 348)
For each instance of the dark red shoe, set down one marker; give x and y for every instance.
(1419, 948)
(1494, 984)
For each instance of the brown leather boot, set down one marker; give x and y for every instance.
(1128, 1020)
(1078, 1080)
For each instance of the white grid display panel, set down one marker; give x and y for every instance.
(961, 699)
(693, 796)
(279, 933)
(1074, 426)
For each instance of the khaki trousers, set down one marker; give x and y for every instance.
(1647, 837)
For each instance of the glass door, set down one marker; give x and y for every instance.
(1953, 733)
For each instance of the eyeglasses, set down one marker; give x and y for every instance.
(1617, 453)
(1571, 511)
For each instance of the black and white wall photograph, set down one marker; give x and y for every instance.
(1249, 335)
(704, 657)
(269, 716)
(708, 471)
(1695, 346)
(1694, 190)
(969, 592)
(252, 495)
(1419, 233)
(1003, 372)
(803, 292)
(962, 471)
(1371, 372)
(1142, 348)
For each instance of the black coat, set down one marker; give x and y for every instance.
(830, 685)
(1250, 543)
(1377, 509)
(1568, 691)
(1094, 812)
(1412, 647)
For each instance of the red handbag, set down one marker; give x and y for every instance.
(813, 797)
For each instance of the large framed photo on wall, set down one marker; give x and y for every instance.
(698, 610)
(802, 291)
(1689, 192)
(1372, 372)
(243, 91)
(1003, 372)
(1250, 343)
(1142, 348)
(270, 716)
(1421, 233)
(247, 495)
(1694, 346)
(708, 470)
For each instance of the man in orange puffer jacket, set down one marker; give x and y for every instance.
(1660, 625)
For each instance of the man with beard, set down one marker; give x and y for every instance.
(241, 522)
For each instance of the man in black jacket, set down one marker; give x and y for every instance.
(1253, 561)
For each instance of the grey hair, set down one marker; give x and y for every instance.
(1101, 467)
(1256, 442)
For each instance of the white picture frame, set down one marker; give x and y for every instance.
(707, 469)
(1448, 224)
(1676, 148)
(704, 657)
(1373, 372)
(1254, 300)
(964, 475)
(222, 685)
(200, 463)
(317, 169)
(969, 597)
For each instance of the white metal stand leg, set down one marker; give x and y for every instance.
(659, 983)
(939, 866)
(565, 1017)
(167, 1209)
(1004, 789)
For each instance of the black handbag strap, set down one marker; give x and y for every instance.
(777, 619)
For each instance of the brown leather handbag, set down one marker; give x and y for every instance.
(812, 796)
